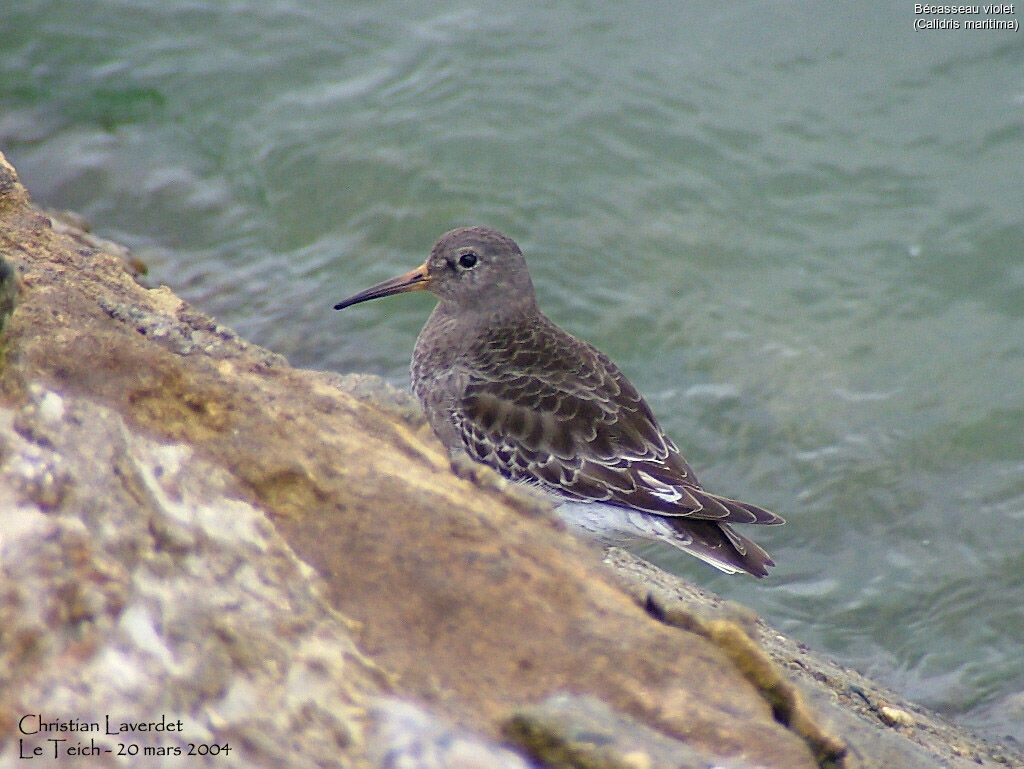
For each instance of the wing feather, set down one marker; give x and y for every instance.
(546, 409)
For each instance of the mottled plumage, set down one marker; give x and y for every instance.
(504, 384)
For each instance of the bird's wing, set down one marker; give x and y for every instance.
(553, 411)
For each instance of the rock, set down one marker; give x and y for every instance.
(140, 586)
(282, 560)
(895, 716)
(568, 730)
(75, 226)
(820, 699)
(406, 736)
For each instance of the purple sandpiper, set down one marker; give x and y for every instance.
(501, 382)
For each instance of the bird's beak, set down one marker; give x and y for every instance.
(416, 280)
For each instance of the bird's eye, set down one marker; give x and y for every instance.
(468, 260)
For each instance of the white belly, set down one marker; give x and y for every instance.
(613, 525)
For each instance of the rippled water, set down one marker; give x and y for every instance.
(796, 225)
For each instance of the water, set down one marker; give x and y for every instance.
(797, 226)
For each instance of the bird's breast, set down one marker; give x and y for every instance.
(438, 381)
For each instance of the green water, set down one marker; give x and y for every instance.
(796, 226)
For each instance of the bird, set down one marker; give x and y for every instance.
(502, 384)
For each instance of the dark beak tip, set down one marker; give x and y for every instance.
(416, 280)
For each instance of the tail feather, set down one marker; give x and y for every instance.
(719, 545)
(712, 541)
(744, 512)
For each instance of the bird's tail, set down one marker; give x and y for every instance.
(719, 545)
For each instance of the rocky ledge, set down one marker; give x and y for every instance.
(207, 552)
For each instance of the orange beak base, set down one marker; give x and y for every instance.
(416, 280)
